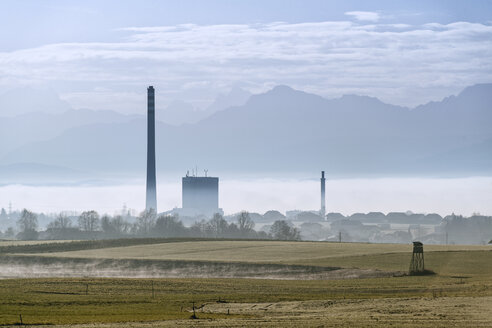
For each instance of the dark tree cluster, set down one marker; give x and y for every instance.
(28, 224)
(90, 225)
(283, 231)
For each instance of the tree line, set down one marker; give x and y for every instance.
(90, 225)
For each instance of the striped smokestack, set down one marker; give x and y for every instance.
(151, 198)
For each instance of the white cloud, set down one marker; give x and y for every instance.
(401, 64)
(369, 16)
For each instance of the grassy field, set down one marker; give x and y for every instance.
(46, 246)
(444, 259)
(76, 301)
(253, 251)
(4, 243)
(459, 295)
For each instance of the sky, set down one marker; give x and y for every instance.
(103, 54)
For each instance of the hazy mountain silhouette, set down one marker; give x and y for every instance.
(27, 100)
(180, 112)
(34, 127)
(20, 125)
(293, 131)
(235, 97)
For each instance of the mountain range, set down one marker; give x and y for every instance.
(283, 130)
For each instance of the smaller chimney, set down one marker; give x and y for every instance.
(322, 212)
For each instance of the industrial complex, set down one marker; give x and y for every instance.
(200, 194)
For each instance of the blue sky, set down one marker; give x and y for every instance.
(89, 52)
(31, 23)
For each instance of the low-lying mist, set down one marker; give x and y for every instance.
(46, 267)
(421, 195)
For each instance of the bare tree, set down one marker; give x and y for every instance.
(62, 222)
(120, 225)
(116, 226)
(60, 227)
(169, 226)
(106, 225)
(244, 223)
(218, 225)
(281, 230)
(89, 221)
(27, 223)
(146, 221)
(200, 229)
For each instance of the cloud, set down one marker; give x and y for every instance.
(401, 64)
(369, 16)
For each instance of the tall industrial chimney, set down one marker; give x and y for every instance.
(323, 208)
(151, 199)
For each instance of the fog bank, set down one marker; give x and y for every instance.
(421, 195)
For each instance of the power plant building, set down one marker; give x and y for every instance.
(200, 196)
(201, 193)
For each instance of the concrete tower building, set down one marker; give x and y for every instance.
(151, 199)
(323, 208)
(200, 196)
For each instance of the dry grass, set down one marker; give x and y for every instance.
(460, 295)
(400, 312)
(254, 251)
(443, 259)
(401, 302)
(30, 242)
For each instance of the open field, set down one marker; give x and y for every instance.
(43, 246)
(405, 301)
(253, 251)
(459, 295)
(4, 243)
(444, 259)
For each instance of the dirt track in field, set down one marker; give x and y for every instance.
(441, 312)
